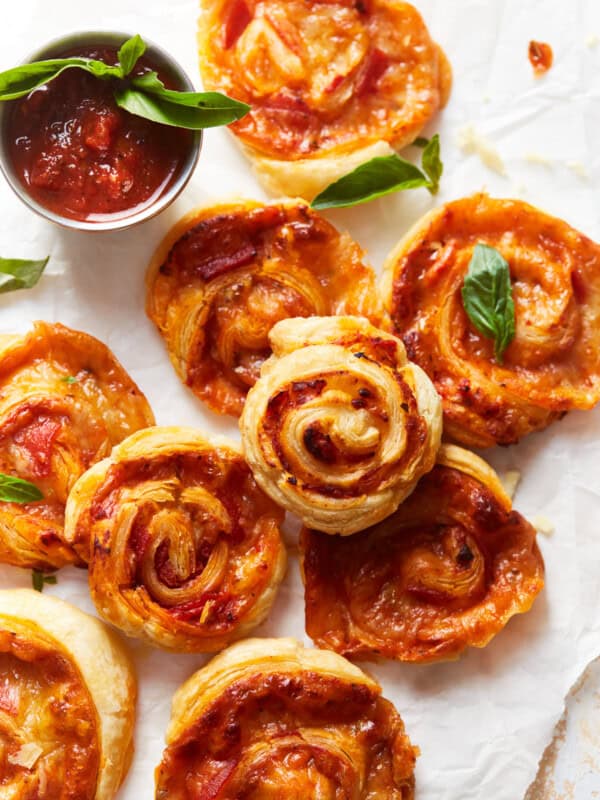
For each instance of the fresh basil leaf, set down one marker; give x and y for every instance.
(129, 54)
(375, 178)
(432, 163)
(20, 81)
(18, 273)
(69, 379)
(150, 83)
(144, 95)
(16, 490)
(421, 142)
(487, 297)
(174, 110)
(38, 579)
(99, 69)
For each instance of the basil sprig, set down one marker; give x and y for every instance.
(18, 273)
(383, 175)
(143, 95)
(38, 579)
(487, 297)
(16, 490)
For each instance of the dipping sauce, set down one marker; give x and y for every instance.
(541, 57)
(81, 156)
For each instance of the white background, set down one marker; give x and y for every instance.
(482, 722)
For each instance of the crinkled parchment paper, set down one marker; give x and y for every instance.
(482, 722)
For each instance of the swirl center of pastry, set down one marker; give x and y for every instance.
(284, 48)
(186, 553)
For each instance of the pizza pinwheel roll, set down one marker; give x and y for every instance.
(553, 363)
(330, 84)
(67, 702)
(268, 718)
(184, 549)
(341, 425)
(225, 275)
(445, 572)
(64, 402)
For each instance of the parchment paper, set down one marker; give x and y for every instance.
(482, 722)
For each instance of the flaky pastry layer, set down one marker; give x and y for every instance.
(553, 364)
(67, 702)
(330, 84)
(184, 549)
(224, 275)
(268, 718)
(64, 402)
(445, 572)
(341, 425)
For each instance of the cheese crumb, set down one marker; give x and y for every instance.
(537, 158)
(592, 41)
(578, 168)
(26, 756)
(543, 525)
(206, 611)
(510, 481)
(471, 142)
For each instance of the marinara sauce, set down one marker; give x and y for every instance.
(80, 155)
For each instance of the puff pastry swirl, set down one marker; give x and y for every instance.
(330, 84)
(268, 719)
(445, 572)
(341, 425)
(225, 275)
(67, 702)
(184, 549)
(553, 363)
(64, 402)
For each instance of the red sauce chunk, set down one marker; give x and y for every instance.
(540, 56)
(80, 155)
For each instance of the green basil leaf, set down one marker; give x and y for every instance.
(69, 379)
(131, 51)
(173, 109)
(18, 273)
(375, 178)
(38, 579)
(150, 83)
(20, 81)
(487, 297)
(421, 142)
(16, 490)
(432, 163)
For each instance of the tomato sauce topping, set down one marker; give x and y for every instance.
(541, 57)
(80, 155)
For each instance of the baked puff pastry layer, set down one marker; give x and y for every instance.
(184, 548)
(445, 572)
(553, 363)
(64, 402)
(268, 719)
(225, 275)
(341, 425)
(330, 84)
(67, 702)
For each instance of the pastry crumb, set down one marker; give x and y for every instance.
(578, 168)
(543, 525)
(538, 158)
(26, 756)
(510, 481)
(473, 143)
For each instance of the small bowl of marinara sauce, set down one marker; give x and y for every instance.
(73, 156)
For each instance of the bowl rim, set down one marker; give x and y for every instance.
(120, 221)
